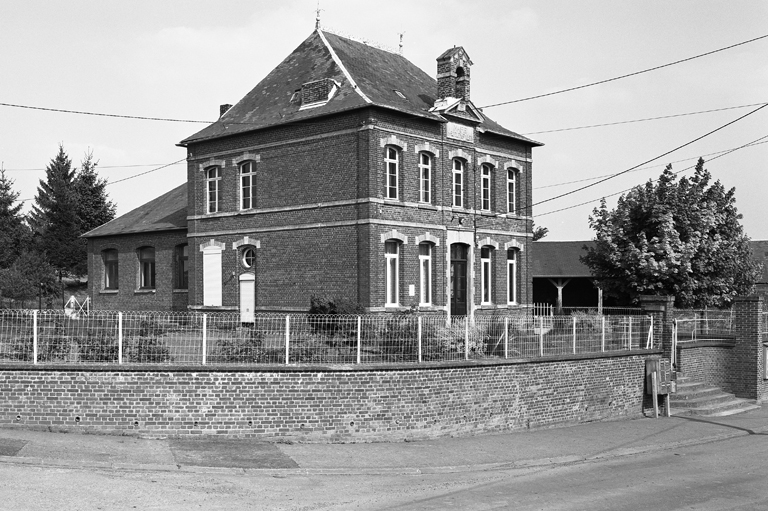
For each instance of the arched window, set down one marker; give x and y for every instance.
(512, 276)
(147, 268)
(486, 277)
(392, 271)
(485, 187)
(511, 203)
(248, 257)
(458, 183)
(181, 257)
(213, 178)
(425, 274)
(111, 275)
(247, 185)
(425, 177)
(392, 164)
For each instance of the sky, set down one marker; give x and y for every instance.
(180, 60)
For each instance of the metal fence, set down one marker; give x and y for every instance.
(40, 337)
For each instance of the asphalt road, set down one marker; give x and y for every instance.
(727, 474)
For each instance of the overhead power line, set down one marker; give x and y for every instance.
(626, 75)
(612, 176)
(147, 172)
(760, 140)
(80, 112)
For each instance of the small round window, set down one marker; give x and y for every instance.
(249, 257)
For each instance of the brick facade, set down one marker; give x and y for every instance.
(344, 405)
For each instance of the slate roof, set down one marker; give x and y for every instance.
(559, 259)
(165, 213)
(367, 76)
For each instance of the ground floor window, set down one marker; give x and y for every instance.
(392, 260)
(110, 269)
(425, 274)
(512, 276)
(147, 268)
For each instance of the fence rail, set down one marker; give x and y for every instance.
(40, 337)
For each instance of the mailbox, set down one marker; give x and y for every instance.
(663, 370)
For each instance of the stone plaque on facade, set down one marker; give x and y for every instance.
(460, 132)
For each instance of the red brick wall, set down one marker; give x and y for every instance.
(327, 404)
(713, 365)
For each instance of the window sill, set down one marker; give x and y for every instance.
(109, 291)
(487, 213)
(426, 205)
(145, 291)
(181, 290)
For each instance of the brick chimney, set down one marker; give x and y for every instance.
(453, 74)
(223, 109)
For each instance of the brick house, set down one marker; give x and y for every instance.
(346, 172)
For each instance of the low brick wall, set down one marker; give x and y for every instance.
(336, 404)
(709, 361)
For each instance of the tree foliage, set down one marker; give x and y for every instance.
(682, 238)
(539, 232)
(28, 277)
(13, 232)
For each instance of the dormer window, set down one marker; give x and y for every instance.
(317, 93)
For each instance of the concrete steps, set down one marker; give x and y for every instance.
(697, 398)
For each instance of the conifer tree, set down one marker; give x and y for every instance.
(13, 231)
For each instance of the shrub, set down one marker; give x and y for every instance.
(242, 349)
(148, 347)
(321, 306)
(98, 347)
(448, 342)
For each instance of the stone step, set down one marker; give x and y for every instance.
(691, 392)
(693, 397)
(730, 407)
(700, 400)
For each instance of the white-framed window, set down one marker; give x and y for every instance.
(485, 187)
(392, 260)
(247, 185)
(425, 274)
(182, 266)
(425, 177)
(213, 179)
(511, 191)
(485, 275)
(146, 268)
(392, 164)
(111, 275)
(512, 276)
(458, 183)
(248, 257)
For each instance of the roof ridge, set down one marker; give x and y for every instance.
(343, 68)
(372, 44)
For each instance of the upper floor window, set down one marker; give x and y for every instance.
(511, 205)
(485, 275)
(247, 185)
(458, 184)
(392, 163)
(512, 276)
(485, 188)
(182, 267)
(110, 269)
(213, 180)
(147, 268)
(392, 281)
(425, 177)
(425, 274)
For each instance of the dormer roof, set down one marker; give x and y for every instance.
(354, 75)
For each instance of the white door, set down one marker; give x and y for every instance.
(247, 297)
(212, 276)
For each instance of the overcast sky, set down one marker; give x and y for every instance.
(182, 59)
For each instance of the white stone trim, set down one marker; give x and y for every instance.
(246, 157)
(460, 153)
(514, 244)
(211, 163)
(427, 148)
(514, 165)
(487, 242)
(246, 241)
(339, 63)
(212, 244)
(394, 235)
(489, 160)
(427, 237)
(393, 140)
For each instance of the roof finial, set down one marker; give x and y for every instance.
(317, 18)
(401, 42)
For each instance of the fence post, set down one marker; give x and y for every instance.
(466, 338)
(630, 333)
(34, 337)
(119, 337)
(287, 339)
(541, 336)
(673, 353)
(359, 339)
(574, 335)
(649, 342)
(506, 337)
(419, 341)
(205, 337)
(602, 341)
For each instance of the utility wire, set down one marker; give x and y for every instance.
(60, 110)
(626, 75)
(725, 153)
(143, 173)
(649, 167)
(652, 159)
(642, 120)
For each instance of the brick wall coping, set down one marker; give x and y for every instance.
(310, 368)
(723, 341)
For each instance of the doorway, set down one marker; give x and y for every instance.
(247, 297)
(459, 254)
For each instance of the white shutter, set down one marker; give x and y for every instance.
(212, 276)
